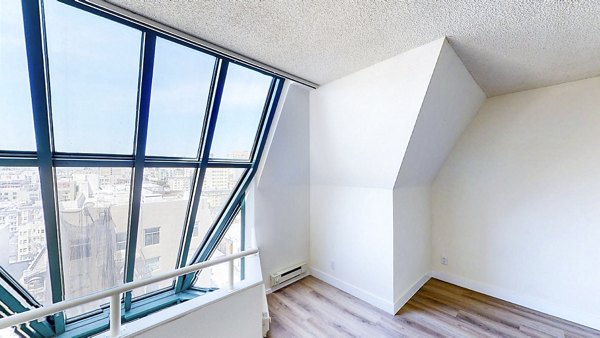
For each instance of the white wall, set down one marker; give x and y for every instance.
(351, 241)
(452, 100)
(221, 313)
(412, 241)
(281, 192)
(238, 315)
(516, 207)
(360, 126)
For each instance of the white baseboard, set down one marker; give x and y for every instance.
(407, 295)
(541, 305)
(357, 292)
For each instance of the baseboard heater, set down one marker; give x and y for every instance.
(287, 274)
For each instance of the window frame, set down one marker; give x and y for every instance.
(241, 211)
(15, 300)
(46, 160)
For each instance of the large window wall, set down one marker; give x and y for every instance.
(124, 152)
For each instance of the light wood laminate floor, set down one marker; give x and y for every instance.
(312, 308)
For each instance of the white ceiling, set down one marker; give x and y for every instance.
(507, 45)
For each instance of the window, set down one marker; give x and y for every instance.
(36, 283)
(134, 165)
(217, 187)
(218, 276)
(165, 197)
(244, 98)
(180, 87)
(80, 248)
(151, 236)
(94, 71)
(153, 263)
(121, 241)
(95, 208)
(16, 129)
(22, 247)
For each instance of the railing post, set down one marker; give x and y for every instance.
(230, 263)
(115, 315)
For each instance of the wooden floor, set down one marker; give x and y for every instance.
(312, 308)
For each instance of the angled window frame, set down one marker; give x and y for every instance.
(15, 299)
(46, 159)
(238, 210)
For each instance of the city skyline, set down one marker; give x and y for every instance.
(93, 222)
(67, 208)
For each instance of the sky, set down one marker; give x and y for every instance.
(16, 118)
(94, 69)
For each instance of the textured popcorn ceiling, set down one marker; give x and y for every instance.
(507, 45)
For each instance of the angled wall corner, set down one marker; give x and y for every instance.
(280, 196)
(360, 127)
(451, 102)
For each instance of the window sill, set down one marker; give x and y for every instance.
(172, 313)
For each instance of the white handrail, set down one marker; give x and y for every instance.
(115, 294)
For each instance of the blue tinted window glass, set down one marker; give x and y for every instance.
(94, 70)
(217, 187)
(23, 251)
(165, 197)
(180, 87)
(241, 109)
(16, 117)
(93, 207)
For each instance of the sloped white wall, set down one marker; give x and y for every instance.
(452, 100)
(281, 192)
(360, 126)
(516, 207)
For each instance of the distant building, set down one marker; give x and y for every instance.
(93, 215)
